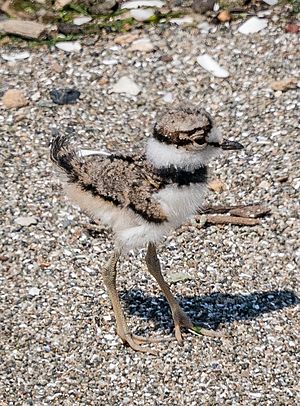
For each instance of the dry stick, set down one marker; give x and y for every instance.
(252, 210)
(222, 209)
(240, 221)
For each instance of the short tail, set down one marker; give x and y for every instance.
(64, 155)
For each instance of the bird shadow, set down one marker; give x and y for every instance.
(210, 310)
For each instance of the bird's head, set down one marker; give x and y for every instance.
(187, 137)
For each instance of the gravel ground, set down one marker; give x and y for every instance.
(58, 342)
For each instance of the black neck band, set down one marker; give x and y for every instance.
(181, 177)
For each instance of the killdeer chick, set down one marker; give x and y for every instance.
(143, 197)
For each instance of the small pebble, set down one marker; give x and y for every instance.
(70, 46)
(271, 2)
(126, 85)
(186, 20)
(142, 44)
(142, 14)
(16, 56)
(64, 96)
(253, 25)
(212, 66)
(34, 291)
(168, 97)
(135, 4)
(82, 20)
(14, 98)
(110, 62)
(26, 221)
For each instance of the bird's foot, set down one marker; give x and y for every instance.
(201, 331)
(182, 320)
(135, 341)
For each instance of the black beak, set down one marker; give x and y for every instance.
(231, 145)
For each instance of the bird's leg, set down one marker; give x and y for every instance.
(109, 277)
(181, 319)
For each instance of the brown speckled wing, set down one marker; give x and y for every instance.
(125, 181)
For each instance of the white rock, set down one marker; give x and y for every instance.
(264, 184)
(25, 221)
(265, 13)
(209, 64)
(126, 85)
(142, 3)
(110, 62)
(16, 56)
(34, 291)
(82, 20)
(179, 277)
(59, 4)
(205, 27)
(168, 97)
(142, 14)
(253, 25)
(296, 183)
(142, 44)
(182, 21)
(69, 46)
(109, 337)
(271, 2)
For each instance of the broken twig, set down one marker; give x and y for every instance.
(241, 210)
(239, 221)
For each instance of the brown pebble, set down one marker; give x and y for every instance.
(166, 58)
(57, 67)
(103, 81)
(14, 98)
(292, 28)
(224, 16)
(216, 185)
(284, 85)
(125, 39)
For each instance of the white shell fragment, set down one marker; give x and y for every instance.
(142, 14)
(82, 20)
(34, 291)
(69, 46)
(253, 25)
(26, 221)
(271, 2)
(212, 66)
(142, 44)
(175, 277)
(182, 21)
(168, 97)
(216, 7)
(126, 85)
(142, 3)
(16, 56)
(110, 62)
(205, 27)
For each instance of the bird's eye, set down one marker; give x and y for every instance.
(199, 141)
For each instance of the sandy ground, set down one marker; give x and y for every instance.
(58, 342)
